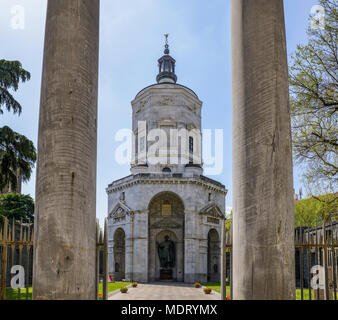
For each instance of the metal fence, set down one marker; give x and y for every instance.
(16, 252)
(316, 262)
(102, 261)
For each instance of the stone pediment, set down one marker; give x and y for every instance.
(119, 211)
(212, 210)
(168, 223)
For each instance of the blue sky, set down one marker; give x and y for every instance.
(131, 41)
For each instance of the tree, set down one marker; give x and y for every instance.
(11, 72)
(316, 211)
(228, 222)
(314, 103)
(17, 153)
(17, 206)
(17, 157)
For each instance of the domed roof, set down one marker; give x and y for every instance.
(166, 77)
(166, 65)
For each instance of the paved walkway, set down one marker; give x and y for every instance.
(165, 291)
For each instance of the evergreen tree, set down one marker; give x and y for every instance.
(17, 153)
(17, 206)
(11, 73)
(17, 157)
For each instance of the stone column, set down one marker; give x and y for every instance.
(111, 259)
(263, 222)
(191, 260)
(129, 259)
(140, 252)
(203, 261)
(152, 254)
(180, 260)
(191, 247)
(65, 214)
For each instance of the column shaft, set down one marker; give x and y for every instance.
(263, 221)
(65, 222)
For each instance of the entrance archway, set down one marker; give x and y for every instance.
(119, 254)
(213, 256)
(166, 220)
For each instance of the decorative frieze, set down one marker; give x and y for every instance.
(165, 101)
(166, 223)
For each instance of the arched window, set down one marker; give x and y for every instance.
(191, 149)
(166, 169)
(191, 144)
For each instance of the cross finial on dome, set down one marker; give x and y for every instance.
(166, 51)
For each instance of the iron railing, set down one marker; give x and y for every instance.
(16, 249)
(316, 262)
(102, 260)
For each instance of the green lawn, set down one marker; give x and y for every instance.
(305, 294)
(111, 287)
(15, 294)
(216, 286)
(117, 285)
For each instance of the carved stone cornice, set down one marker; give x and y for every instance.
(151, 178)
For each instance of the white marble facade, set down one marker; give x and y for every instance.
(165, 199)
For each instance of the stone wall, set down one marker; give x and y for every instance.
(166, 106)
(194, 214)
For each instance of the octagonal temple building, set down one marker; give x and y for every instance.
(165, 218)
